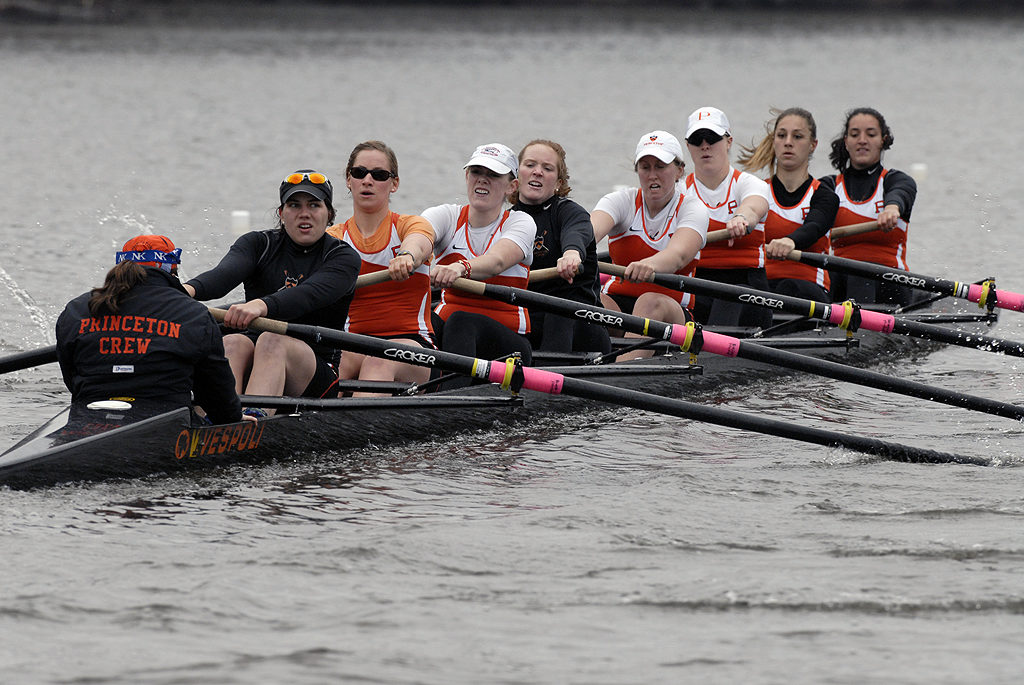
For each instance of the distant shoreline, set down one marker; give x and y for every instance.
(230, 12)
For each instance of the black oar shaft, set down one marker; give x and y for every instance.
(757, 424)
(25, 360)
(881, 273)
(550, 383)
(743, 349)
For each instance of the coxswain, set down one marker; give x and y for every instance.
(401, 244)
(140, 336)
(737, 201)
(656, 227)
(801, 209)
(295, 273)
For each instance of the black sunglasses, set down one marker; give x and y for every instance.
(704, 135)
(359, 172)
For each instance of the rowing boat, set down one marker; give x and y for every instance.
(124, 440)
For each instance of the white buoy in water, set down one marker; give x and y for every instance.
(919, 170)
(240, 221)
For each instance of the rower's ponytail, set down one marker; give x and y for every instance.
(120, 280)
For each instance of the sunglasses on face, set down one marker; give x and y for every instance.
(702, 136)
(313, 177)
(359, 172)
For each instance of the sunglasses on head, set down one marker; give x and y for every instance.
(359, 172)
(704, 135)
(313, 177)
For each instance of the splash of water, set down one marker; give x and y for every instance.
(35, 313)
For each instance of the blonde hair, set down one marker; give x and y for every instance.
(763, 154)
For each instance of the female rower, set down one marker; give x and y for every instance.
(565, 240)
(482, 241)
(652, 228)
(737, 201)
(800, 209)
(397, 243)
(295, 272)
(868, 191)
(140, 335)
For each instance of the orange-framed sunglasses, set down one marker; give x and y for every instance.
(316, 178)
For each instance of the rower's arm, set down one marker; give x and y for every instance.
(603, 224)
(680, 251)
(502, 255)
(748, 215)
(415, 249)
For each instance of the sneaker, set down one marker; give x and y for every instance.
(255, 411)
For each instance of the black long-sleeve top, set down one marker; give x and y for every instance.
(564, 225)
(309, 285)
(898, 188)
(160, 345)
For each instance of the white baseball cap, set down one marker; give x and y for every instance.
(711, 118)
(660, 144)
(496, 157)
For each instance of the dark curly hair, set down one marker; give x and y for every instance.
(839, 156)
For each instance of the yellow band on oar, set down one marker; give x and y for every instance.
(690, 330)
(647, 324)
(847, 314)
(811, 314)
(986, 288)
(510, 367)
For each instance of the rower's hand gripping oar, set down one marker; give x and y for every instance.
(513, 376)
(984, 293)
(693, 338)
(846, 315)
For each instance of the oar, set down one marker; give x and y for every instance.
(841, 232)
(984, 294)
(695, 339)
(853, 229)
(381, 276)
(510, 375)
(843, 314)
(29, 358)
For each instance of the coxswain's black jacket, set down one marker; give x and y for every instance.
(160, 345)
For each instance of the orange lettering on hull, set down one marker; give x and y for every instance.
(208, 440)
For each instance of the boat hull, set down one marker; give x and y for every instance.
(79, 444)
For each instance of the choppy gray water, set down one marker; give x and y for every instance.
(649, 550)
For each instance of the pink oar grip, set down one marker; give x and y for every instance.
(716, 343)
(533, 379)
(872, 321)
(1008, 300)
(974, 292)
(1004, 298)
(877, 321)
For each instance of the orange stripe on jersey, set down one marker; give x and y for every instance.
(633, 245)
(779, 223)
(746, 252)
(391, 308)
(878, 247)
(511, 316)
